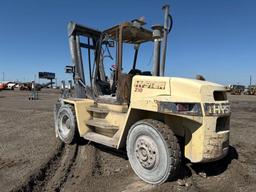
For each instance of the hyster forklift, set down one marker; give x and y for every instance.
(156, 119)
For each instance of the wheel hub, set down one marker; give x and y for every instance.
(146, 152)
(65, 125)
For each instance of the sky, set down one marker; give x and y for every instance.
(216, 39)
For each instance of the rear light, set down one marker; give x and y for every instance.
(188, 108)
(181, 108)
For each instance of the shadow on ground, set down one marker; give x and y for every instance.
(210, 169)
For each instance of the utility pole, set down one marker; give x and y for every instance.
(3, 76)
(250, 80)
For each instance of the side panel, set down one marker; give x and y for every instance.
(194, 141)
(133, 115)
(216, 143)
(192, 130)
(149, 86)
(82, 115)
(144, 91)
(116, 118)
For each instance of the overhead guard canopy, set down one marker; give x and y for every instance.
(131, 34)
(74, 28)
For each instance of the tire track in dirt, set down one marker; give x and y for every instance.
(58, 172)
(98, 168)
(52, 175)
(80, 168)
(37, 178)
(89, 168)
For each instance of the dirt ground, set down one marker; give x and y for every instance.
(32, 159)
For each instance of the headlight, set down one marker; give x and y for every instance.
(217, 109)
(181, 108)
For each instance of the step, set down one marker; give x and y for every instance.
(101, 123)
(97, 109)
(101, 139)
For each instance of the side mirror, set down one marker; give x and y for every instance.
(69, 69)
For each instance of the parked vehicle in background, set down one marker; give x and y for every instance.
(10, 85)
(251, 90)
(236, 89)
(28, 86)
(2, 86)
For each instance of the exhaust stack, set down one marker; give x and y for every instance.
(157, 30)
(165, 33)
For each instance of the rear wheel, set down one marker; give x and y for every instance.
(66, 124)
(153, 151)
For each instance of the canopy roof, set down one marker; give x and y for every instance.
(131, 34)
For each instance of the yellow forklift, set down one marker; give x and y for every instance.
(144, 113)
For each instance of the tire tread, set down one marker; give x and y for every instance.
(171, 142)
(72, 139)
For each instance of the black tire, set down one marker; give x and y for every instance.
(66, 124)
(153, 151)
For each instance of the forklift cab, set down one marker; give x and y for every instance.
(91, 79)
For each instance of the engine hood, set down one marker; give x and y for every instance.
(173, 88)
(192, 89)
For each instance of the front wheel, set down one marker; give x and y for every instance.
(66, 124)
(153, 151)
